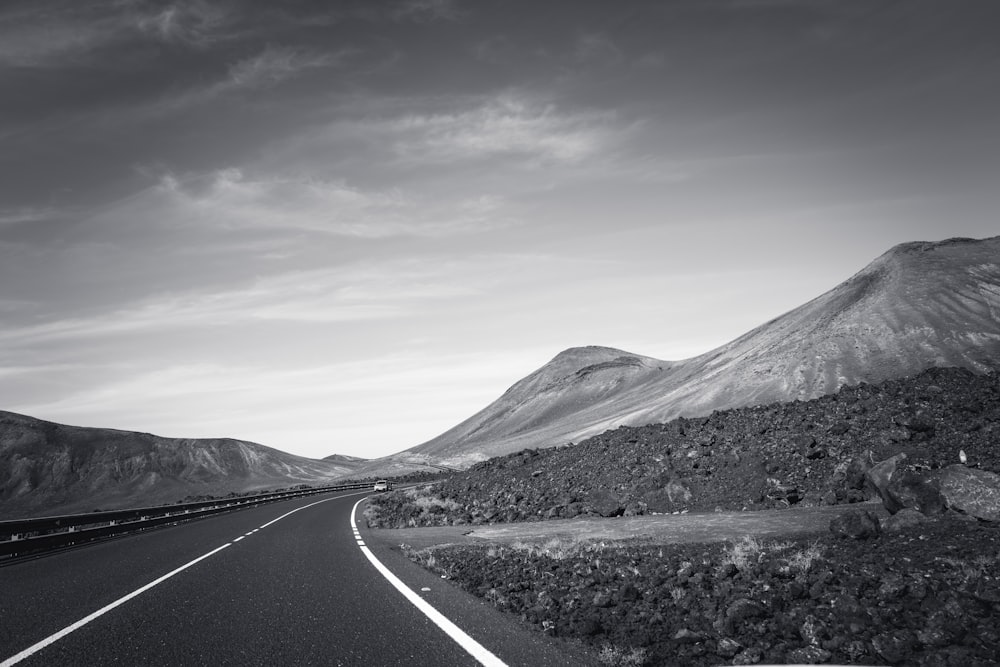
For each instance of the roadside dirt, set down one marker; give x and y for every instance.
(656, 529)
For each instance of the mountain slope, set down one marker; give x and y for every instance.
(52, 468)
(345, 460)
(917, 306)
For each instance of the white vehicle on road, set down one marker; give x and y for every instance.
(381, 485)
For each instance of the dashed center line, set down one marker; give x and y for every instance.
(51, 639)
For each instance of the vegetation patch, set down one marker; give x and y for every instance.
(408, 508)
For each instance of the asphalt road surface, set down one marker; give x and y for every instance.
(282, 584)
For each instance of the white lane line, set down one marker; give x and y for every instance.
(103, 610)
(35, 648)
(346, 495)
(471, 646)
(238, 539)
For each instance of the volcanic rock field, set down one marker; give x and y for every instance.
(875, 589)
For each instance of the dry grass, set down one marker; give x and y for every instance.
(556, 548)
(974, 569)
(802, 561)
(744, 553)
(617, 656)
(747, 552)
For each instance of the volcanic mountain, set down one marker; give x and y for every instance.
(48, 468)
(917, 306)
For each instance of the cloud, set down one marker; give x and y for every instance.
(272, 66)
(267, 69)
(66, 34)
(230, 200)
(423, 11)
(25, 42)
(353, 293)
(193, 22)
(507, 125)
(26, 214)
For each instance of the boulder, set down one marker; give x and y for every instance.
(605, 503)
(858, 525)
(970, 491)
(902, 519)
(879, 475)
(854, 474)
(667, 495)
(919, 491)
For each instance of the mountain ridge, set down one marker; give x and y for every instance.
(918, 305)
(50, 467)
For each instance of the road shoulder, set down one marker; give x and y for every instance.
(507, 637)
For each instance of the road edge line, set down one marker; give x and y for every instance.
(459, 636)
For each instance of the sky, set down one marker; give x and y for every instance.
(345, 227)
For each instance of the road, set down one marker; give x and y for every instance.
(280, 584)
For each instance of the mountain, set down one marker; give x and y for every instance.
(48, 468)
(919, 305)
(345, 460)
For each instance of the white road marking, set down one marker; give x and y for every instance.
(238, 539)
(103, 610)
(471, 646)
(35, 648)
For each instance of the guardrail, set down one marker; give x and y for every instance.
(21, 537)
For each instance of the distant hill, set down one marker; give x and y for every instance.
(48, 468)
(345, 460)
(918, 306)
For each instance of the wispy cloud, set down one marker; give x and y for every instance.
(26, 214)
(261, 72)
(65, 34)
(25, 42)
(229, 199)
(193, 22)
(427, 10)
(353, 293)
(272, 66)
(505, 125)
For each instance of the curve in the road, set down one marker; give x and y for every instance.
(471, 646)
